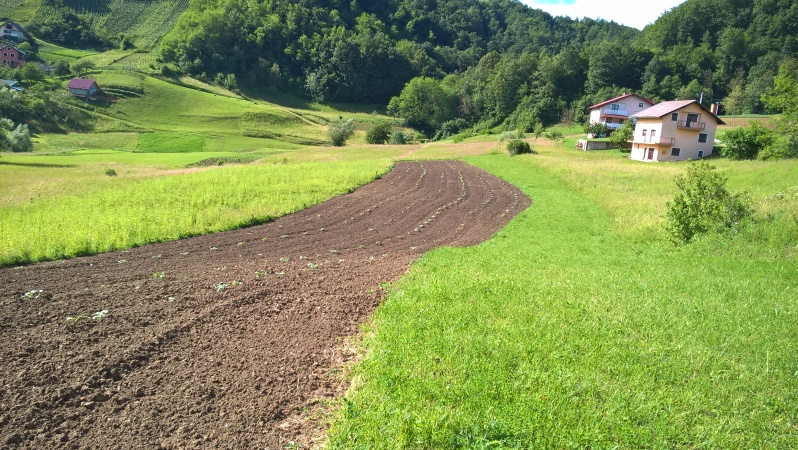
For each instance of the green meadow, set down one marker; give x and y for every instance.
(578, 326)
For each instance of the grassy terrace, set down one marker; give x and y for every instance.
(576, 327)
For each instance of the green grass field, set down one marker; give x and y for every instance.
(63, 206)
(562, 332)
(577, 326)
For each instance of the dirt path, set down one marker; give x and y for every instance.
(230, 340)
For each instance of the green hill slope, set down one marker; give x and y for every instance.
(146, 21)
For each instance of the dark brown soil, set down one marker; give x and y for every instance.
(230, 340)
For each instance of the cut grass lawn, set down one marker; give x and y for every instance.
(561, 333)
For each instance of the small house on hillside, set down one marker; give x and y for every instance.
(83, 87)
(12, 56)
(674, 131)
(12, 31)
(615, 111)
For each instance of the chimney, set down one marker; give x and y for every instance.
(714, 107)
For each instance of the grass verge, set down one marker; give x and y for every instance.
(561, 333)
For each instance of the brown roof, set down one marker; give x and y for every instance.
(80, 83)
(599, 105)
(663, 109)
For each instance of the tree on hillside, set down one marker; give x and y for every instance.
(424, 104)
(784, 98)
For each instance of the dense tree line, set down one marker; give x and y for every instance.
(485, 63)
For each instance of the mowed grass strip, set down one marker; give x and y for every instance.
(561, 333)
(121, 212)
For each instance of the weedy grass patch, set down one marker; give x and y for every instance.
(561, 332)
(101, 213)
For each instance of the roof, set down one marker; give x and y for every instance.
(599, 105)
(663, 109)
(8, 82)
(17, 26)
(80, 83)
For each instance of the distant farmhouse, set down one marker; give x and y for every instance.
(12, 56)
(614, 112)
(83, 87)
(674, 131)
(12, 31)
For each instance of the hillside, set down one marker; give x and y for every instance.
(140, 23)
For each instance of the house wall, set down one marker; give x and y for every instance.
(686, 140)
(11, 56)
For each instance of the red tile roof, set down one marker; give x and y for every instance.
(80, 83)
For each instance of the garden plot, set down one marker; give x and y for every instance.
(224, 340)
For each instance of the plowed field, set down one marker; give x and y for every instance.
(229, 340)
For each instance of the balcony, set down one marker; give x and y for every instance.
(696, 126)
(614, 112)
(658, 141)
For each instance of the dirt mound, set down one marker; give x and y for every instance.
(230, 340)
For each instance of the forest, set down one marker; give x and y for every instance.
(488, 63)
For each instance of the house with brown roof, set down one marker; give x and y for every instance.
(12, 31)
(83, 87)
(674, 131)
(615, 111)
(12, 56)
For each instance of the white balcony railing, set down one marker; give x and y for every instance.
(661, 140)
(614, 112)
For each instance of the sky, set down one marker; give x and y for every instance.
(633, 13)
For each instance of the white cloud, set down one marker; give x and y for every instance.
(634, 13)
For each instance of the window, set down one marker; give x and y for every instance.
(700, 153)
(653, 134)
(12, 55)
(676, 151)
(5, 53)
(691, 119)
(640, 105)
(644, 133)
(702, 138)
(609, 119)
(620, 120)
(675, 117)
(615, 107)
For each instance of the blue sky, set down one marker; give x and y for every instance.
(634, 13)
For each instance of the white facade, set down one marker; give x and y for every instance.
(674, 131)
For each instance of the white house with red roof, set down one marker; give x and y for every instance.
(615, 111)
(83, 87)
(674, 131)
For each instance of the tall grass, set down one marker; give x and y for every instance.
(561, 333)
(120, 212)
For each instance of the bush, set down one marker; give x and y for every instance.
(400, 137)
(19, 139)
(378, 133)
(622, 135)
(746, 143)
(703, 204)
(518, 147)
(597, 129)
(511, 135)
(556, 136)
(340, 131)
